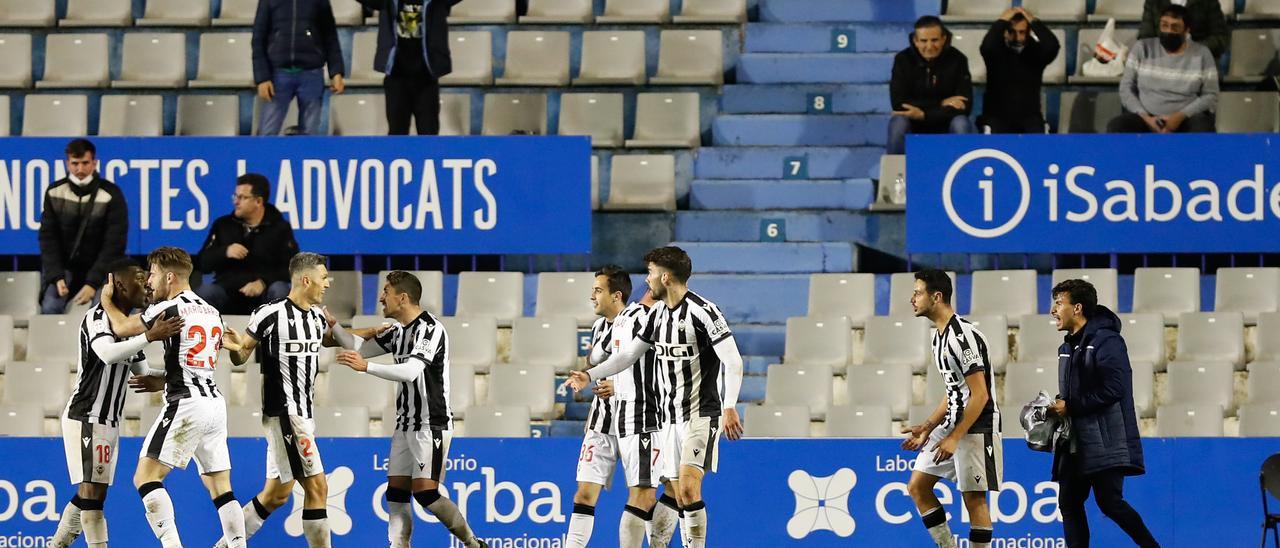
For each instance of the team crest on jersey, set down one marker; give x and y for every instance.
(970, 355)
(101, 325)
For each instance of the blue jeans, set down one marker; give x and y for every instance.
(308, 87)
(900, 126)
(222, 299)
(52, 303)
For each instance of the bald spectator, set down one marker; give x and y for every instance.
(1170, 83)
(1016, 50)
(931, 89)
(1208, 25)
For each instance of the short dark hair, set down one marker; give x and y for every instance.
(258, 184)
(1018, 17)
(617, 278)
(672, 258)
(79, 147)
(122, 266)
(1080, 292)
(1177, 12)
(936, 281)
(407, 283)
(304, 261)
(927, 21)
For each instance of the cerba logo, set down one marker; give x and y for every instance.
(822, 503)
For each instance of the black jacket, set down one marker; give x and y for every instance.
(1013, 79)
(295, 34)
(924, 84)
(435, 35)
(105, 231)
(270, 244)
(1095, 380)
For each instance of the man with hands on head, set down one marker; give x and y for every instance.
(1016, 50)
(930, 88)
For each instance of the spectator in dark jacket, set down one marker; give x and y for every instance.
(1095, 387)
(1208, 24)
(248, 251)
(1016, 50)
(931, 89)
(293, 40)
(83, 229)
(413, 53)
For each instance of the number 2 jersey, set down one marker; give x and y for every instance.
(636, 406)
(290, 338)
(190, 356)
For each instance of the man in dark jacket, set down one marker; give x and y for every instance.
(1204, 17)
(83, 229)
(1016, 50)
(293, 40)
(931, 89)
(248, 251)
(413, 53)
(1095, 387)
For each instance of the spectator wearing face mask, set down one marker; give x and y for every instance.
(1016, 50)
(1208, 24)
(1170, 83)
(931, 89)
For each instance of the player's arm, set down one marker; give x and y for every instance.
(241, 345)
(976, 380)
(407, 371)
(619, 361)
(115, 350)
(919, 433)
(600, 337)
(731, 362)
(337, 335)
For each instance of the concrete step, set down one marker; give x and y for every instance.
(776, 162)
(799, 98)
(771, 258)
(773, 297)
(826, 37)
(760, 339)
(781, 194)
(801, 130)
(871, 11)
(750, 226)
(815, 68)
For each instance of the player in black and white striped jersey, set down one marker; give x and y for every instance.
(961, 438)
(424, 423)
(92, 417)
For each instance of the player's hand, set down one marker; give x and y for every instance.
(63, 290)
(142, 384)
(253, 289)
(578, 380)
(108, 288)
(917, 436)
(338, 84)
(945, 449)
(1059, 408)
(603, 389)
(164, 327)
(353, 360)
(237, 251)
(329, 317)
(732, 424)
(266, 90)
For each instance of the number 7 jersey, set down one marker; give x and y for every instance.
(190, 356)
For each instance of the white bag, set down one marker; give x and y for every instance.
(1108, 56)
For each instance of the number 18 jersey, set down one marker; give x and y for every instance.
(190, 356)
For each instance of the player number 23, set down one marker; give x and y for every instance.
(202, 353)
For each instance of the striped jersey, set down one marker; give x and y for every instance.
(689, 369)
(636, 406)
(290, 338)
(100, 386)
(960, 350)
(422, 404)
(190, 356)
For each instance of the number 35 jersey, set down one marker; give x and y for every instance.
(190, 356)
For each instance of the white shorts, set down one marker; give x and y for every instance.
(91, 451)
(978, 464)
(190, 427)
(695, 443)
(292, 452)
(640, 455)
(419, 454)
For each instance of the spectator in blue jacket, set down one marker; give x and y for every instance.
(293, 40)
(413, 53)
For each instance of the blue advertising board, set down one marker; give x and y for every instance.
(518, 494)
(1093, 193)
(347, 195)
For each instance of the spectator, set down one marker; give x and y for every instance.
(248, 251)
(1204, 17)
(930, 88)
(292, 42)
(1016, 50)
(413, 53)
(1170, 84)
(83, 229)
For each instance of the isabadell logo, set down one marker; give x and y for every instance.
(822, 503)
(981, 221)
(340, 481)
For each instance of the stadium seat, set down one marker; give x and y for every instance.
(635, 11)
(6, 341)
(1011, 293)
(968, 41)
(1087, 111)
(536, 58)
(37, 383)
(1268, 337)
(483, 12)
(472, 59)
(515, 114)
(690, 57)
(290, 116)
(1123, 11)
(859, 421)
(1144, 337)
(496, 294)
(776, 421)
(819, 340)
(494, 421)
(1254, 10)
(243, 421)
(919, 413)
(1023, 381)
(1211, 336)
(55, 116)
(175, 13)
(98, 13)
(17, 295)
(4, 122)
(612, 57)
(363, 46)
(473, 341)
(643, 182)
(462, 387)
(1263, 380)
(358, 114)
(52, 340)
(1144, 391)
(996, 330)
(712, 11)
(897, 340)
(1189, 421)
(1201, 383)
(549, 341)
(568, 294)
(75, 61)
(524, 385)
(934, 389)
(1038, 339)
(887, 385)
(1086, 40)
(27, 13)
(153, 60)
(1105, 280)
(1248, 112)
(15, 61)
(21, 420)
(1057, 11)
(808, 385)
(212, 115)
(342, 422)
(901, 285)
(595, 182)
(1167, 291)
(850, 295)
(348, 388)
(975, 11)
(577, 12)
(1258, 420)
(347, 14)
(226, 61)
(1250, 291)
(345, 297)
(1056, 71)
(237, 13)
(455, 114)
(1253, 52)
(667, 120)
(1228, 9)
(597, 115)
(893, 168)
(432, 289)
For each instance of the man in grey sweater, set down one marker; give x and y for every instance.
(1170, 83)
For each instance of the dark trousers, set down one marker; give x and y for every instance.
(1132, 123)
(1108, 492)
(416, 97)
